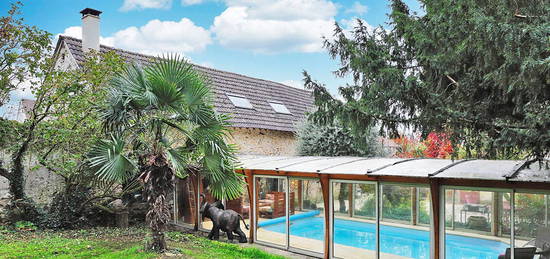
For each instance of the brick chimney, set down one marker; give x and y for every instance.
(90, 29)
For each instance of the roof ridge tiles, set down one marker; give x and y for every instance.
(259, 91)
(195, 65)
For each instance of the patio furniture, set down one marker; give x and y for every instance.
(473, 208)
(273, 206)
(519, 253)
(541, 243)
(477, 223)
(239, 206)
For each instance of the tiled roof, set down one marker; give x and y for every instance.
(258, 91)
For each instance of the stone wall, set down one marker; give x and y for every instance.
(40, 185)
(263, 142)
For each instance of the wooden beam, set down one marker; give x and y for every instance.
(414, 207)
(195, 182)
(356, 177)
(495, 213)
(436, 206)
(252, 205)
(350, 199)
(300, 193)
(324, 179)
(494, 184)
(417, 180)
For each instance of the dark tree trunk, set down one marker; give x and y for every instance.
(17, 180)
(342, 195)
(158, 179)
(21, 208)
(17, 183)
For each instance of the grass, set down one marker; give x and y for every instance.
(195, 247)
(114, 243)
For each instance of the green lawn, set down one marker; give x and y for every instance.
(113, 243)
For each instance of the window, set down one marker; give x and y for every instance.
(279, 108)
(240, 101)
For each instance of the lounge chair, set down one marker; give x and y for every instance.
(519, 253)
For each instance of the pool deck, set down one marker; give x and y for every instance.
(315, 245)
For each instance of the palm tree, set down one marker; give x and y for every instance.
(161, 123)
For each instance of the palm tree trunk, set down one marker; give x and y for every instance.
(158, 179)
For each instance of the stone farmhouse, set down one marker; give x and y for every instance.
(264, 114)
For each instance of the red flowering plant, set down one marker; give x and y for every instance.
(436, 145)
(408, 147)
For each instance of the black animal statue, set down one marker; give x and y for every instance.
(224, 220)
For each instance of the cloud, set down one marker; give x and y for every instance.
(191, 2)
(156, 37)
(145, 4)
(357, 8)
(348, 25)
(76, 32)
(267, 26)
(164, 36)
(286, 9)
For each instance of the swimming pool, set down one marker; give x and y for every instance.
(393, 240)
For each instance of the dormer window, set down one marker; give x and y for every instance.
(279, 108)
(240, 101)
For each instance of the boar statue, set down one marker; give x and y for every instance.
(227, 221)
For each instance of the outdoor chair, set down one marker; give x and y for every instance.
(541, 243)
(477, 223)
(519, 253)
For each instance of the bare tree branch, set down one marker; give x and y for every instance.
(452, 80)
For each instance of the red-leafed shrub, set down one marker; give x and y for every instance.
(408, 147)
(438, 145)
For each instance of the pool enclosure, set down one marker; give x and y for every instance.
(353, 207)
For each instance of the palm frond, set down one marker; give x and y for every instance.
(196, 90)
(170, 77)
(171, 68)
(179, 160)
(219, 161)
(133, 84)
(108, 159)
(116, 115)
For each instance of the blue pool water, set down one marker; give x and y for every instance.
(393, 240)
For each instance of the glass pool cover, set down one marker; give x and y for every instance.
(393, 240)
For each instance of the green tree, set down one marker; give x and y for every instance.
(22, 49)
(335, 140)
(23, 58)
(479, 70)
(162, 124)
(65, 137)
(59, 128)
(60, 113)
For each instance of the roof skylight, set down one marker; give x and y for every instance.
(240, 101)
(279, 108)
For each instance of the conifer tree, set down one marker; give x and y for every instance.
(477, 69)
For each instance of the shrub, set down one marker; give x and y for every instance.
(334, 140)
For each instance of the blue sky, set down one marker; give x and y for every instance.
(269, 39)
